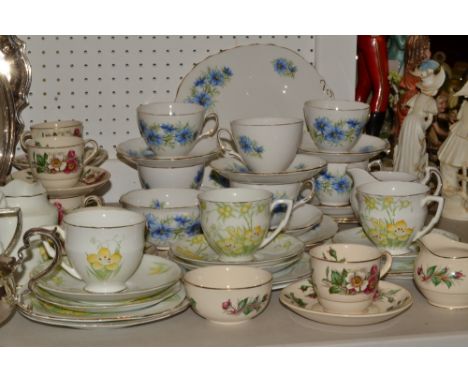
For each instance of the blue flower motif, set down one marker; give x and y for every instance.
(245, 144)
(259, 149)
(318, 184)
(200, 81)
(354, 124)
(216, 77)
(199, 177)
(227, 71)
(321, 124)
(167, 127)
(158, 230)
(143, 127)
(341, 184)
(157, 204)
(280, 65)
(334, 134)
(154, 138)
(182, 219)
(184, 135)
(326, 175)
(203, 99)
(193, 228)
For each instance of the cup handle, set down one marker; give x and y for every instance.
(307, 185)
(226, 151)
(387, 265)
(92, 199)
(375, 163)
(440, 205)
(211, 132)
(52, 252)
(25, 135)
(94, 151)
(429, 171)
(46, 235)
(283, 222)
(16, 211)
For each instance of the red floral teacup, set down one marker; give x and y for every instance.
(346, 277)
(57, 162)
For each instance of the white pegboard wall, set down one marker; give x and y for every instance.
(100, 80)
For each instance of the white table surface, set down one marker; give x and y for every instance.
(421, 325)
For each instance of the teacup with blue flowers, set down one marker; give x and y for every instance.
(172, 129)
(333, 186)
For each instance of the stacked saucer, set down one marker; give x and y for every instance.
(153, 292)
(284, 257)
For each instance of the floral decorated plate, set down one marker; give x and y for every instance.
(21, 161)
(154, 275)
(366, 148)
(324, 231)
(303, 167)
(197, 251)
(276, 80)
(32, 308)
(390, 301)
(136, 151)
(90, 307)
(92, 179)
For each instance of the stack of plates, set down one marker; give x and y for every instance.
(153, 292)
(284, 257)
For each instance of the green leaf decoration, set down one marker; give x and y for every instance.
(336, 278)
(430, 270)
(436, 280)
(448, 283)
(335, 289)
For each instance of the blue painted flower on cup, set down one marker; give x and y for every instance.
(164, 230)
(333, 189)
(250, 146)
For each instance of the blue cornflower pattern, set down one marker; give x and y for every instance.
(164, 230)
(168, 134)
(153, 138)
(354, 123)
(328, 183)
(167, 127)
(198, 178)
(184, 136)
(157, 204)
(341, 184)
(321, 124)
(250, 146)
(323, 130)
(334, 134)
(284, 67)
(206, 87)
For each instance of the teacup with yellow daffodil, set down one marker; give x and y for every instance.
(104, 246)
(393, 213)
(235, 221)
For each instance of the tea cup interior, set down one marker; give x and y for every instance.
(349, 253)
(172, 109)
(396, 188)
(240, 195)
(103, 217)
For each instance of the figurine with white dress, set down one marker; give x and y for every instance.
(453, 157)
(410, 154)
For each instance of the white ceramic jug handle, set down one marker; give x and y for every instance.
(92, 199)
(212, 131)
(94, 151)
(387, 265)
(51, 253)
(375, 163)
(25, 135)
(433, 170)
(226, 151)
(283, 222)
(307, 185)
(440, 205)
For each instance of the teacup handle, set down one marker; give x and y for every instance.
(226, 151)
(306, 185)
(52, 253)
(283, 222)
(211, 132)
(429, 171)
(387, 265)
(94, 151)
(92, 199)
(25, 135)
(440, 205)
(375, 163)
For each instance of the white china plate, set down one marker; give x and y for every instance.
(34, 310)
(324, 231)
(303, 216)
(135, 151)
(297, 271)
(89, 307)
(366, 148)
(92, 179)
(196, 250)
(303, 167)
(154, 275)
(21, 161)
(391, 301)
(250, 86)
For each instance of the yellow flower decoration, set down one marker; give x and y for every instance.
(197, 240)
(404, 203)
(187, 253)
(399, 231)
(158, 268)
(225, 211)
(262, 207)
(104, 259)
(370, 202)
(378, 237)
(245, 208)
(387, 202)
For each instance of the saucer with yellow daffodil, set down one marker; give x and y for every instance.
(154, 275)
(281, 251)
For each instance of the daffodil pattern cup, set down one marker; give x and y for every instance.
(393, 213)
(235, 221)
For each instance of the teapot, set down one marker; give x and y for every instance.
(36, 211)
(440, 271)
(361, 177)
